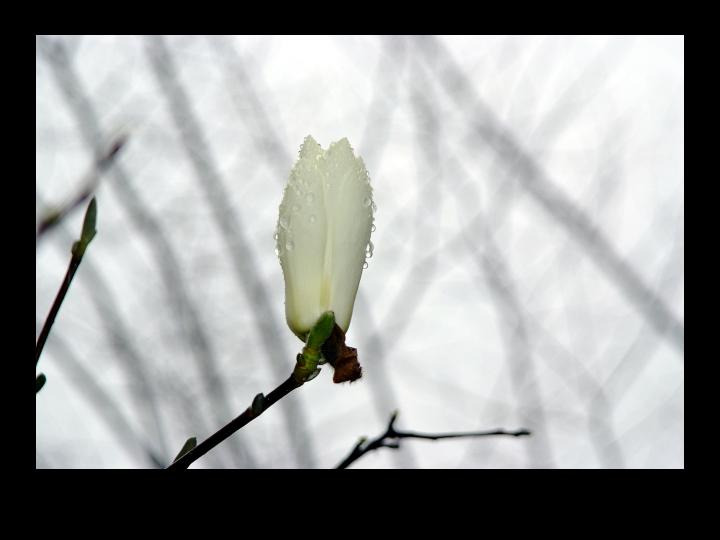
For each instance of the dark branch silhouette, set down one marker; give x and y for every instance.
(78, 250)
(260, 404)
(391, 439)
(45, 332)
(324, 339)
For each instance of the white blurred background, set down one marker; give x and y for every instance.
(529, 253)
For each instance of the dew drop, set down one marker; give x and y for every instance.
(277, 251)
(309, 198)
(365, 265)
(275, 236)
(289, 245)
(374, 207)
(369, 250)
(372, 229)
(311, 219)
(367, 201)
(284, 222)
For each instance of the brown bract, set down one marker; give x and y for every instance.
(342, 358)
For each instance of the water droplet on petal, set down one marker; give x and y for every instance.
(309, 198)
(284, 222)
(369, 250)
(311, 219)
(372, 229)
(275, 236)
(365, 265)
(289, 245)
(367, 201)
(374, 207)
(277, 251)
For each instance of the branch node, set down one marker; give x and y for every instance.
(258, 405)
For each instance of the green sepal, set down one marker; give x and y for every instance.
(319, 334)
(307, 361)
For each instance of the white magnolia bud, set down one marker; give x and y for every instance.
(323, 234)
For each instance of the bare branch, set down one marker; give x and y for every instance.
(391, 439)
(78, 251)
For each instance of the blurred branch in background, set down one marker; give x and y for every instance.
(228, 221)
(89, 184)
(520, 327)
(165, 257)
(490, 130)
(87, 385)
(550, 126)
(261, 128)
(379, 381)
(391, 439)
(519, 355)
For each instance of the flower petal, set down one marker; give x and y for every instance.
(323, 230)
(348, 198)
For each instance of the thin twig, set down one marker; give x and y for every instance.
(391, 439)
(72, 268)
(306, 369)
(78, 250)
(259, 405)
